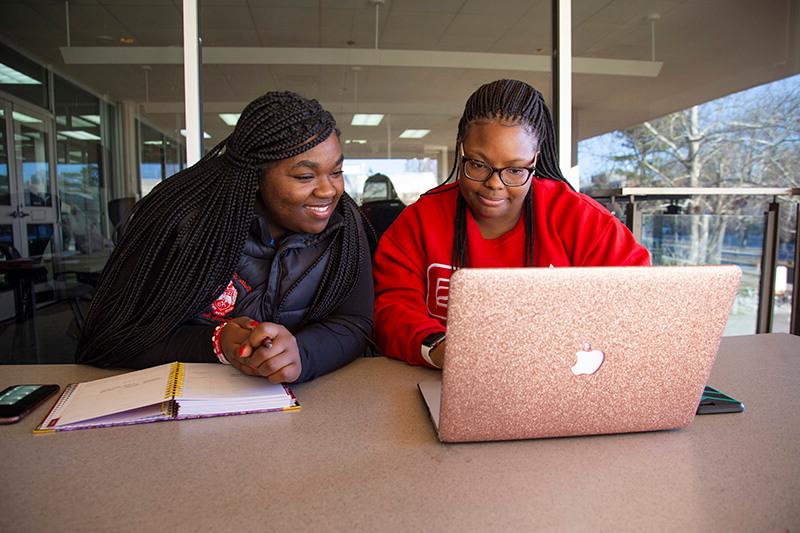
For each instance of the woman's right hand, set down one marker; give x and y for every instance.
(261, 349)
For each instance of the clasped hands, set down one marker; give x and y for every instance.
(261, 349)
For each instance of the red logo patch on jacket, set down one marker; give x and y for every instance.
(438, 289)
(242, 282)
(226, 301)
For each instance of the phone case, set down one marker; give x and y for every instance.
(716, 402)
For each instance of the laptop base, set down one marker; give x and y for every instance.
(432, 394)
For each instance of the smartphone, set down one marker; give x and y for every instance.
(714, 401)
(19, 400)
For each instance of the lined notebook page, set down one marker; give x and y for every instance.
(209, 389)
(106, 396)
(203, 381)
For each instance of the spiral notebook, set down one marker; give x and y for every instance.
(174, 391)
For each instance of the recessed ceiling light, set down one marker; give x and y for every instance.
(205, 134)
(80, 135)
(360, 119)
(94, 119)
(414, 134)
(9, 76)
(230, 118)
(25, 119)
(77, 122)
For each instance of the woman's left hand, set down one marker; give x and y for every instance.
(271, 351)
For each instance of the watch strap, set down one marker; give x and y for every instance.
(428, 344)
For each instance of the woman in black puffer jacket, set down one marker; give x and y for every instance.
(255, 257)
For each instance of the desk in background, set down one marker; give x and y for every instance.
(362, 455)
(21, 274)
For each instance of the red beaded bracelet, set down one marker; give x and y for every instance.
(216, 342)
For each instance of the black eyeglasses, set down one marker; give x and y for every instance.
(510, 176)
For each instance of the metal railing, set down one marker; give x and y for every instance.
(632, 196)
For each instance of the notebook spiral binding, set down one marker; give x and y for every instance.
(64, 397)
(175, 382)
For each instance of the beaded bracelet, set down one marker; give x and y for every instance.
(216, 342)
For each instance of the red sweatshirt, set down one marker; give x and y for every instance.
(412, 264)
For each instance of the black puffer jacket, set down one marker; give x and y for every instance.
(277, 283)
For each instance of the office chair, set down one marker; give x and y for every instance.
(380, 203)
(382, 213)
(119, 209)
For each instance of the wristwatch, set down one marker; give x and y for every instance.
(429, 343)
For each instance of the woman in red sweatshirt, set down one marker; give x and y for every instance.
(509, 207)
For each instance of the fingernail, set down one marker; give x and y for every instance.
(253, 324)
(241, 350)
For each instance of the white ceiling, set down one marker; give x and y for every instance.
(706, 48)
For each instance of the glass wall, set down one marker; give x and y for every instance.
(32, 145)
(698, 94)
(69, 153)
(674, 239)
(5, 183)
(786, 266)
(81, 168)
(409, 178)
(159, 157)
(23, 78)
(151, 157)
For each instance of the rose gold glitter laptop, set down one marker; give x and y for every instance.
(554, 352)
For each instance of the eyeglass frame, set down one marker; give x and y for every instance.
(499, 171)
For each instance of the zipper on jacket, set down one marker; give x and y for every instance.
(302, 276)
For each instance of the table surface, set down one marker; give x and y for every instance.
(362, 454)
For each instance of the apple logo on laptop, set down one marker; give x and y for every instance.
(588, 360)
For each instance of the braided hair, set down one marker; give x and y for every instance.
(518, 103)
(183, 241)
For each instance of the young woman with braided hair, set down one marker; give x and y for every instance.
(510, 207)
(254, 256)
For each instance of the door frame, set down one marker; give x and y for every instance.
(41, 215)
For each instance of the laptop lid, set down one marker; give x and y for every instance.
(547, 352)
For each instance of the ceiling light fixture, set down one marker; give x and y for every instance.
(77, 122)
(25, 119)
(230, 118)
(361, 119)
(414, 134)
(205, 134)
(94, 119)
(80, 135)
(355, 141)
(9, 76)
(366, 57)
